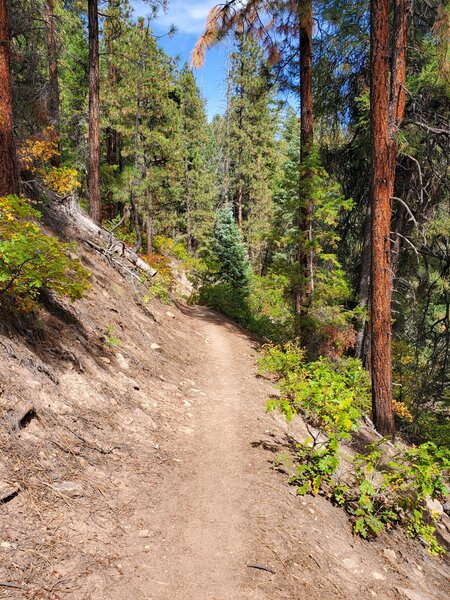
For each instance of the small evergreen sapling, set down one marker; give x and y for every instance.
(230, 252)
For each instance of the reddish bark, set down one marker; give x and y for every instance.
(94, 115)
(305, 257)
(387, 110)
(9, 178)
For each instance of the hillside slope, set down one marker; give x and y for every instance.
(136, 462)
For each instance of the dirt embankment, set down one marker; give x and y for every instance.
(136, 461)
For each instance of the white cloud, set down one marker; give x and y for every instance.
(189, 16)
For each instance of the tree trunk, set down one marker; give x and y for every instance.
(94, 115)
(381, 175)
(52, 53)
(388, 99)
(134, 206)
(305, 255)
(111, 141)
(149, 223)
(239, 204)
(9, 177)
(362, 347)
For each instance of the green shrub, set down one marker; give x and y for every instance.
(331, 396)
(262, 308)
(31, 261)
(399, 498)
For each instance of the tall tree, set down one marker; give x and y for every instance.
(283, 28)
(94, 114)
(52, 53)
(197, 180)
(251, 144)
(9, 179)
(388, 71)
(305, 233)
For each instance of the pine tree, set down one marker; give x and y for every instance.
(144, 110)
(52, 53)
(9, 181)
(251, 145)
(197, 174)
(94, 114)
(230, 252)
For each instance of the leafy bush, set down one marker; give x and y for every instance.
(262, 308)
(331, 397)
(414, 475)
(31, 261)
(160, 286)
(326, 397)
(35, 154)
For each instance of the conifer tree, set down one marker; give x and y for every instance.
(94, 114)
(52, 53)
(230, 252)
(251, 144)
(197, 175)
(9, 180)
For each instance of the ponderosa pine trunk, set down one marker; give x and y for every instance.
(381, 360)
(388, 71)
(52, 54)
(94, 115)
(111, 135)
(9, 177)
(306, 280)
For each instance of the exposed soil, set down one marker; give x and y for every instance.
(144, 470)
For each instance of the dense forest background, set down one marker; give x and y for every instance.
(272, 219)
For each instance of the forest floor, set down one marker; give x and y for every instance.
(144, 467)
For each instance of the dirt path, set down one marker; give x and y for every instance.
(220, 506)
(146, 470)
(203, 537)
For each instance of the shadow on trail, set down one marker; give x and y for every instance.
(212, 316)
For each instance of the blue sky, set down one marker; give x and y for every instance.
(189, 18)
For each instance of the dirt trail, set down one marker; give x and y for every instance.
(204, 503)
(221, 507)
(146, 469)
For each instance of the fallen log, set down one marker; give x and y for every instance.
(87, 228)
(66, 213)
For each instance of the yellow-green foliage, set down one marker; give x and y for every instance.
(331, 395)
(35, 154)
(31, 261)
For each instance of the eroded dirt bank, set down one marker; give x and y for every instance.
(139, 457)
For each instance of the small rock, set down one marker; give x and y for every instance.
(123, 363)
(144, 533)
(8, 491)
(390, 556)
(186, 430)
(446, 522)
(170, 314)
(5, 545)
(351, 563)
(68, 488)
(105, 359)
(154, 346)
(447, 506)
(146, 548)
(435, 508)
(415, 594)
(378, 576)
(187, 403)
